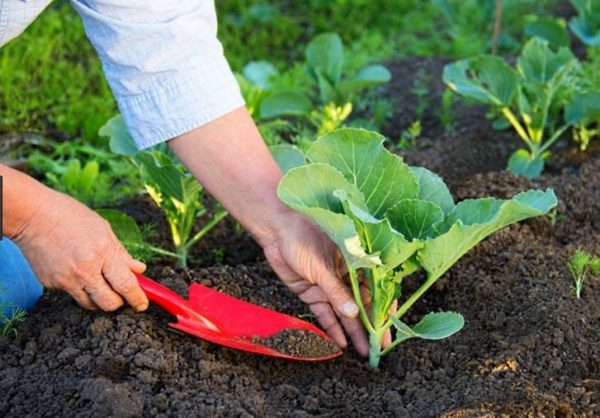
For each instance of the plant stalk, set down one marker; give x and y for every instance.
(375, 340)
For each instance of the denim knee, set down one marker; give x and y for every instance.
(19, 288)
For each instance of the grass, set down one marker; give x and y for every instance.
(52, 80)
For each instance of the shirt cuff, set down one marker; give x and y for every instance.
(181, 104)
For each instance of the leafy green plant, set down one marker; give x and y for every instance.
(134, 239)
(325, 63)
(586, 25)
(580, 264)
(540, 98)
(390, 221)
(174, 190)
(83, 182)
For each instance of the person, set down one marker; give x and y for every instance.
(172, 83)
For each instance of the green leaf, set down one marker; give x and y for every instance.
(166, 177)
(485, 78)
(287, 156)
(473, 220)
(538, 63)
(310, 190)
(88, 177)
(326, 53)
(382, 177)
(433, 326)
(72, 175)
(120, 141)
(372, 76)
(438, 325)
(124, 226)
(522, 163)
(550, 29)
(284, 104)
(583, 108)
(433, 189)
(260, 73)
(377, 236)
(415, 219)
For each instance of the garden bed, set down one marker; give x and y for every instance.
(529, 347)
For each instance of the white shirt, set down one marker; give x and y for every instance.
(161, 58)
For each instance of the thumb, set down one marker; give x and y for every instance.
(339, 295)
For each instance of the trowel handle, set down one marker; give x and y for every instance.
(172, 302)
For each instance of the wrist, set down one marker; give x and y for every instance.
(24, 199)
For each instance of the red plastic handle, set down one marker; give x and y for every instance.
(174, 303)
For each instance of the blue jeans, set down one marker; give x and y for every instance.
(19, 288)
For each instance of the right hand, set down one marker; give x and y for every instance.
(71, 248)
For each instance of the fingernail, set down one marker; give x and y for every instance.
(349, 308)
(141, 307)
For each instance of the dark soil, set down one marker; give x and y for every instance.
(299, 343)
(529, 346)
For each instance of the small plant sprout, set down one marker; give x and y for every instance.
(580, 264)
(410, 137)
(390, 221)
(446, 112)
(8, 323)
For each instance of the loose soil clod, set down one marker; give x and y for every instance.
(299, 343)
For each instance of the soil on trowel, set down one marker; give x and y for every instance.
(300, 343)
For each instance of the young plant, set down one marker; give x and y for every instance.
(390, 221)
(174, 190)
(586, 25)
(325, 63)
(539, 98)
(85, 183)
(410, 137)
(580, 264)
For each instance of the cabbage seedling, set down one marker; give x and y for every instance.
(540, 98)
(174, 190)
(390, 221)
(586, 25)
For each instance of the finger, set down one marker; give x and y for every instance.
(358, 335)
(339, 295)
(135, 265)
(329, 323)
(103, 295)
(82, 299)
(123, 281)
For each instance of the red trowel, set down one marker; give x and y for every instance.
(225, 320)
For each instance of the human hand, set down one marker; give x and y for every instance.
(309, 264)
(71, 248)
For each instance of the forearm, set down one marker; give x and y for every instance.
(23, 198)
(229, 157)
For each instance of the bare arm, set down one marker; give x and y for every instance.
(229, 157)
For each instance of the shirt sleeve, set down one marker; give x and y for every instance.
(163, 62)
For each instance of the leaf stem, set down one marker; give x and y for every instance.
(510, 116)
(358, 298)
(412, 299)
(222, 213)
(554, 138)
